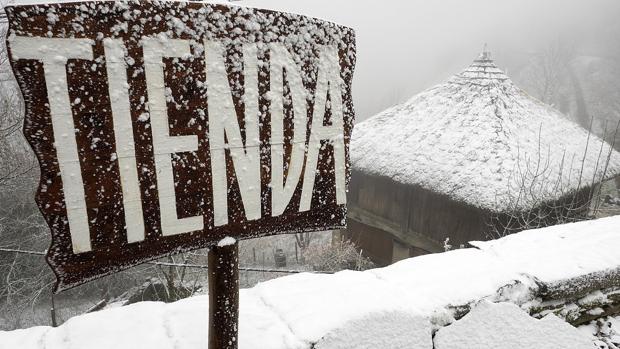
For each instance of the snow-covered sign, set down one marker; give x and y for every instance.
(163, 127)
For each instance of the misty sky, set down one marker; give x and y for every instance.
(406, 46)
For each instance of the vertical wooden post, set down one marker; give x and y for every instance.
(53, 312)
(223, 272)
(263, 266)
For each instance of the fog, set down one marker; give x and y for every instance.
(407, 46)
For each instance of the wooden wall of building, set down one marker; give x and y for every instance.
(413, 212)
(384, 215)
(375, 243)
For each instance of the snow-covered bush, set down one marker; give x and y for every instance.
(336, 257)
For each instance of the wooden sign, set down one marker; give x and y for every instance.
(163, 127)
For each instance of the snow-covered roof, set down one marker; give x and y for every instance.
(396, 306)
(477, 138)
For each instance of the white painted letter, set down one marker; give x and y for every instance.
(54, 54)
(327, 79)
(224, 132)
(118, 89)
(282, 189)
(163, 144)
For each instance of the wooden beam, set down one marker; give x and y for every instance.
(410, 237)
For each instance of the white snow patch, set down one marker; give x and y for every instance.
(227, 241)
(26, 339)
(506, 326)
(607, 331)
(592, 246)
(394, 330)
(144, 117)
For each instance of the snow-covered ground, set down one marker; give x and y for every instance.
(400, 306)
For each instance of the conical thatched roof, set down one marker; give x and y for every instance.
(481, 140)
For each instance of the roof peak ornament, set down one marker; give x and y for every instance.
(483, 70)
(485, 55)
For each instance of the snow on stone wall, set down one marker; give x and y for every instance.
(505, 325)
(399, 306)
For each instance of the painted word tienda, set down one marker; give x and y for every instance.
(288, 167)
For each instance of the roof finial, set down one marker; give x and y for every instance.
(486, 54)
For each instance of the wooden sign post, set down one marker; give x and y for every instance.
(224, 296)
(163, 127)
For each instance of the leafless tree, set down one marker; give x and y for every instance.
(579, 81)
(534, 182)
(24, 279)
(551, 77)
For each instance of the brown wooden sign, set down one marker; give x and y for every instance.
(163, 127)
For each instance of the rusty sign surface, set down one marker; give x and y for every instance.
(163, 127)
